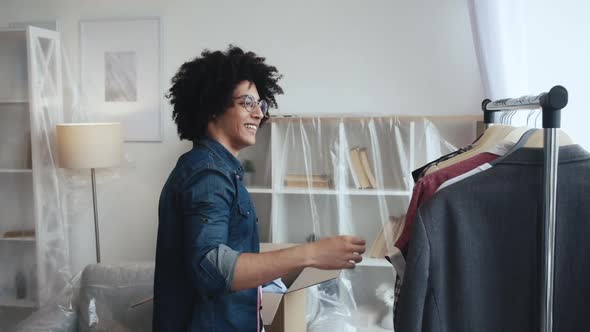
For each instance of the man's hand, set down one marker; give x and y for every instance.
(333, 253)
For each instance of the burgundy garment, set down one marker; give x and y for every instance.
(427, 185)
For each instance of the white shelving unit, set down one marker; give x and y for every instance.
(319, 146)
(16, 191)
(292, 145)
(29, 58)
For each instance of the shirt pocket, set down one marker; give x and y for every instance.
(245, 207)
(240, 224)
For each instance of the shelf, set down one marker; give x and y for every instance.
(373, 192)
(17, 239)
(307, 191)
(375, 262)
(16, 101)
(15, 170)
(254, 190)
(9, 29)
(6, 302)
(314, 191)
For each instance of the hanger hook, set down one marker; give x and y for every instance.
(515, 116)
(537, 118)
(528, 118)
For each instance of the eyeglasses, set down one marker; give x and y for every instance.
(248, 101)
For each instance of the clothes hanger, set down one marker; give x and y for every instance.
(516, 135)
(494, 143)
(533, 138)
(537, 139)
(493, 134)
(490, 138)
(517, 145)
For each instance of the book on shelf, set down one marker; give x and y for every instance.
(352, 167)
(367, 167)
(305, 184)
(308, 181)
(19, 234)
(361, 181)
(378, 246)
(388, 234)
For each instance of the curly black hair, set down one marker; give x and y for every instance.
(203, 88)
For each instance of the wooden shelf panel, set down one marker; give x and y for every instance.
(13, 101)
(8, 302)
(17, 239)
(15, 170)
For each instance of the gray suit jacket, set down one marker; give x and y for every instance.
(474, 261)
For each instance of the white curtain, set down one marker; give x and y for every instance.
(527, 46)
(499, 38)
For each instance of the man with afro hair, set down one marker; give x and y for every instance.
(208, 265)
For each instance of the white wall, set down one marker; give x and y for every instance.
(558, 48)
(338, 56)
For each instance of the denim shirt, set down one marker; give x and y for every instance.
(206, 219)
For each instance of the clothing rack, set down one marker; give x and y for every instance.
(551, 104)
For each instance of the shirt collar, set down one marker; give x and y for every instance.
(223, 153)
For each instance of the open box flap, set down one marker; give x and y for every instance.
(270, 305)
(312, 276)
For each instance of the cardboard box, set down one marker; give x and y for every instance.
(286, 312)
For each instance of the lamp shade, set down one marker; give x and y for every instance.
(89, 145)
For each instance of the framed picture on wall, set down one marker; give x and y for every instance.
(120, 75)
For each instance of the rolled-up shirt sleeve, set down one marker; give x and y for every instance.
(206, 203)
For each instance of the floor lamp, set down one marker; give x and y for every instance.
(90, 145)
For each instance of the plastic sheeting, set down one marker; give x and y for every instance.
(328, 201)
(46, 107)
(310, 177)
(307, 185)
(34, 249)
(102, 298)
(40, 202)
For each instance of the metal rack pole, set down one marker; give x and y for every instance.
(551, 103)
(550, 194)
